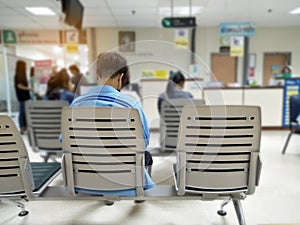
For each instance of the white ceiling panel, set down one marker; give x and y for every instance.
(132, 3)
(97, 11)
(140, 11)
(22, 3)
(93, 3)
(131, 13)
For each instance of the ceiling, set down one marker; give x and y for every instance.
(145, 13)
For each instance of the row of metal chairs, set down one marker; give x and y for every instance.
(217, 156)
(43, 118)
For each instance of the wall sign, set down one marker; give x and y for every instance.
(291, 87)
(30, 37)
(237, 29)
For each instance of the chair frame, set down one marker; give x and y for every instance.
(110, 131)
(44, 127)
(17, 180)
(218, 153)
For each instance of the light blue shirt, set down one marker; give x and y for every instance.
(108, 96)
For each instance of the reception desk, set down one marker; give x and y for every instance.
(270, 99)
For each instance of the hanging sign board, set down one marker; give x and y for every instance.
(175, 22)
(237, 29)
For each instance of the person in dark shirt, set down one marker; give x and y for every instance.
(22, 92)
(174, 89)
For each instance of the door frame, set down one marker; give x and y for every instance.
(289, 59)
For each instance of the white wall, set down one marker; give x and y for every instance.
(274, 39)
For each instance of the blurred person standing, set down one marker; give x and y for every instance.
(22, 91)
(78, 78)
(31, 83)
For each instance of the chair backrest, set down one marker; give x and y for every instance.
(44, 124)
(294, 108)
(171, 110)
(103, 149)
(15, 170)
(218, 149)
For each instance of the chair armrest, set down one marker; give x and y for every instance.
(175, 176)
(254, 172)
(26, 176)
(259, 166)
(68, 175)
(63, 170)
(140, 175)
(181, 172)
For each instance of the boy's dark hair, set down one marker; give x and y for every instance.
(74, 67)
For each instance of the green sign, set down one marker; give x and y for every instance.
(166, 22)
(169, 22)
(9, 37)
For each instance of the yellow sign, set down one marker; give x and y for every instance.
(237, 46)
(72, 48)
(236, 51)
(181, 42)
(181, 38)
(161, 74)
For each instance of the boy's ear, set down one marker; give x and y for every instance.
(120, 77)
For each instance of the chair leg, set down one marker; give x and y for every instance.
(18, 204)
(287, 142)
(239, 211)
(222, 212)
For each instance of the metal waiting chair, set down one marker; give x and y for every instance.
(170, 117)
(218, 153)
(294, 112)
(44, 127)
(103, 150)
(20, 179)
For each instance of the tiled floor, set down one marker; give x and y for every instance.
(276, 200)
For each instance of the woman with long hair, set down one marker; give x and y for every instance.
(59, 87)
(22, 92)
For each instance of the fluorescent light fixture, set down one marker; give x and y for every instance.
(180, 10)
(40, 11)
(295, 11)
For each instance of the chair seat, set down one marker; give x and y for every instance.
(42, 172)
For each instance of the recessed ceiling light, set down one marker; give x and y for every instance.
(295, 11)
(181, 10)
(40, 11)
